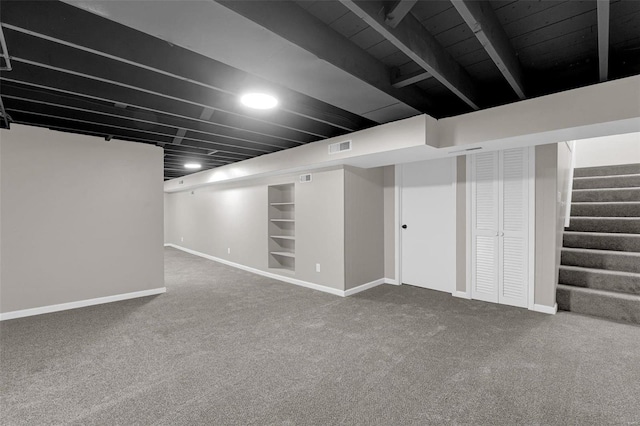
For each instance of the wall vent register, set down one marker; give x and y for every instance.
(282, 226)
(305, 178)
(337, 147)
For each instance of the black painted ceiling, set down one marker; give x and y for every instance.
(75, 71)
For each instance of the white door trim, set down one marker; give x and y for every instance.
(532, 228)
(398, 222)
(468, 227)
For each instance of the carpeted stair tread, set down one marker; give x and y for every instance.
(601, 259)
(618, 181)
(602, 241)
(605, 195)
(606, 209)
(620, 169)
(600, 279)
(599, 303)
(625, 225)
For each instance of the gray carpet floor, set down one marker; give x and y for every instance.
(224, 346)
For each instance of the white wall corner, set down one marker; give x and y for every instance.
(546, 309)
(364, 287)
(80, 304)
(391, 281)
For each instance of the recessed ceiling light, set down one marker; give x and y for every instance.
(259, 101)
(192, 166)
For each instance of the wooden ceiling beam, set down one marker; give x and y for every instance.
(398, 11)
(484, 23)
(603, 39)
(413, 39)
(399, 81)
(291, 22)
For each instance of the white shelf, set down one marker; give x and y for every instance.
(283, 253)
(282, 204)
(283, 220)
(283, 237)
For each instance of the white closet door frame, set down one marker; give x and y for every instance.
(531, 228)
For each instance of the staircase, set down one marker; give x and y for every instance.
(600, 267)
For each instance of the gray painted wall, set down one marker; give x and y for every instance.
(81, 218)
(364, 225)
(234, 216)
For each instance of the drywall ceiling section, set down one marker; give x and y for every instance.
(601, 109)
(398, 135)
(197, 26)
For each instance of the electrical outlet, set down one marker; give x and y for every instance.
(229, 250)
(317, 267)
(182, 239)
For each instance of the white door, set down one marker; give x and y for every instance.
(428, 211)
(514, 229)
(484, 229)
(500, 227)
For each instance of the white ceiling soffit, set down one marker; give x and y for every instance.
(213, 30)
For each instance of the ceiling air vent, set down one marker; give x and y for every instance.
(337, 147)
(305, 178)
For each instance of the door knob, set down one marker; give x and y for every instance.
(404, 226)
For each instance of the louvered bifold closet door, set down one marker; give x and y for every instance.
(513, 238)
(485, 223)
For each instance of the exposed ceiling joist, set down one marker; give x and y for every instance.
(143, 118)
(418, 44)
(127, 45)
(482, 20)
(603, 39)
(157, 127)
(34, 50)
(121, 124)
(64, 81)
(398, 11)
(293, 23)
(409, 79)
(122, 132)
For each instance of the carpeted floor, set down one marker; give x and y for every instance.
(223, 346)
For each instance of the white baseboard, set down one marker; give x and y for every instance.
(284, 278)
(461, 294)
(289, 280)
(391, 281)
(364, 287)
(80, 304)
(546, 309)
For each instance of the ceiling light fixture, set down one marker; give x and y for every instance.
(259, 101)
(192, 166)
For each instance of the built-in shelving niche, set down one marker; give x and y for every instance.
(282, 227)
